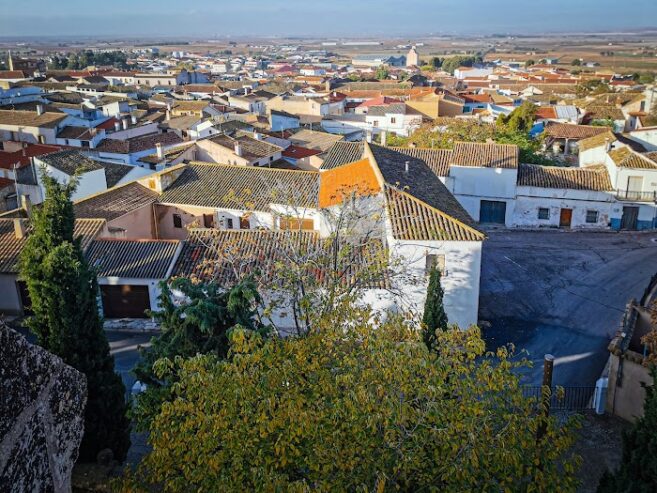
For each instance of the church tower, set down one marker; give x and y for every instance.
(412, 59)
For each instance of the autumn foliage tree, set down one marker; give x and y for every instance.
(360, 404)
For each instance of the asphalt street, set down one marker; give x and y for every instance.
(562, 293)
(124, 346)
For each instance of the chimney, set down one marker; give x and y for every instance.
(26, 204)
(125, 123)
(168, 117)
(19, 228)
(407, 165)
(39, 109)
(257, 135)
(168, 105)
(158, 149)
(117, 126)
(133, 119)
(607, 145)
(246, 91)
(238, 148)
(24, 149)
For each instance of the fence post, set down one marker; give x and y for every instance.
(546, 394)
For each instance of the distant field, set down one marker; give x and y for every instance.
(632, 52)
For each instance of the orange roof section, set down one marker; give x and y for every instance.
(336, 183)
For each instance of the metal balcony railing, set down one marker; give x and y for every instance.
(631, 196)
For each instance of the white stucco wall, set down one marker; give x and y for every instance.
(153, 286)
(89, 183)
(460, 281)
(530, 199)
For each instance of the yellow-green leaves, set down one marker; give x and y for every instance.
(356, 405)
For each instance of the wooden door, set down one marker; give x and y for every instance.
(565, 218)
(630, 217)
(125, 301)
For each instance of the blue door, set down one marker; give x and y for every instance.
(492, 211)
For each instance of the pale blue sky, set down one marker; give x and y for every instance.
(317, 18)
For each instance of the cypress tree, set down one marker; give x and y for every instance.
(63, 291)
(434, 313)
(638, 469)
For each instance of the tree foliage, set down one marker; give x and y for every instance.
(508, 129)
(63, 290)
(85, 58)
(638, 469)
(358, 405)
(382, 73)
(198, 325)
(434, 318)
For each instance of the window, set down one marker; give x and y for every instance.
(245, 223)
(177, 221)
(42, 139)
(543, 213)
(393, 120)
(591, 216)
(375, 123)
(437, 261)
(226, 222)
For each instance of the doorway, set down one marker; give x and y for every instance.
(565, 218)
(630, 217)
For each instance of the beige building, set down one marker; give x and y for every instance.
(412, 59)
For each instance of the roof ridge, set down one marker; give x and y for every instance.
(226, 165)
(442, 213)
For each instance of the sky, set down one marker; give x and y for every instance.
(325, 18)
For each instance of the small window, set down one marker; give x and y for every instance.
(227, 222)
(177, 221)
(437, 261)
(375, 123)
(591, 216)
(393, 120)
(42, 139)
(245, 222)
(543, 213)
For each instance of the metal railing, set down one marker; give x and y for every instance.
(571, 399)
(636, 196)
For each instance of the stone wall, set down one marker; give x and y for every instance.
(42, 404)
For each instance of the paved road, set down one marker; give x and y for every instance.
(562, 293)
(125, 348)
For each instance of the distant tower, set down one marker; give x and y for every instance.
(412, 59)
(10, 61)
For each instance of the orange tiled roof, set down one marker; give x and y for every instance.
(356, 177)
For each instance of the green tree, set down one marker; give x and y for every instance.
(521, 119)
(576, 62)
(381, 73)
(530, 62)
(63, 290)
(638, 469)
(359, 404)
(199, 325)
(434, 318)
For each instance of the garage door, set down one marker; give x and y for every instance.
(492, 211)
(125, 301)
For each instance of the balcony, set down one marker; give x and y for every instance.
(630, 196)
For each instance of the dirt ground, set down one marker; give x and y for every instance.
(599, 445)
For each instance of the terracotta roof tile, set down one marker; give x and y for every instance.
(485, 155)
(595, 178)
(138, 259)
(115, 202)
